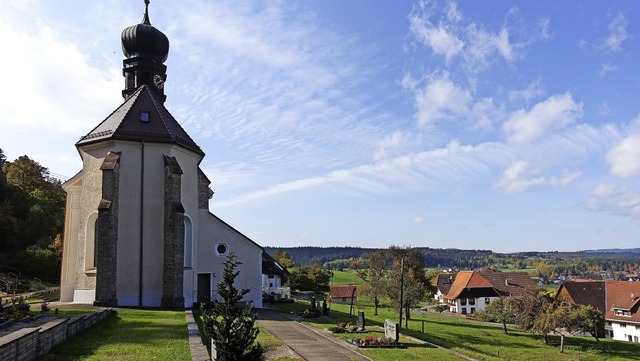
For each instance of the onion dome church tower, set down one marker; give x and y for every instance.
(138, 231)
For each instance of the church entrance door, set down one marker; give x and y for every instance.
(204, 287)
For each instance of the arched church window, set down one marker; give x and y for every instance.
(188, 242)
(91, 243)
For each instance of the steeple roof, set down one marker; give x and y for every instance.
(142, 117)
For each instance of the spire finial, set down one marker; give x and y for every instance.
(145, 19)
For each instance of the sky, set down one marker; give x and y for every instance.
(500, 125)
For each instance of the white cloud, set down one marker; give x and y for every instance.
(531, 91)
(607, 68)
(554, 113)
(441, 99)
(544, 24)
(483, 46)
(614, 199)
(617, 33)
(624, 158)
(516, 179)
(390, 144)
(437, 38)
(418, 219)
(54, 79)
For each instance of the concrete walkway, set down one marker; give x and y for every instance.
(306, 342)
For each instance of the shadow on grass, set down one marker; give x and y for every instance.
(137, 335)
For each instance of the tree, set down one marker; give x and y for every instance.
(310, 278)
(230, 326)
(587, 319)
(555, 317)
(500, 311)
(282, 257)
(528, 308)
(374, 276)
(415, 281)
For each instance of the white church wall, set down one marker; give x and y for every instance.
(213, 232)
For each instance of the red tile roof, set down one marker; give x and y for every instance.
(467, 279)
(500, 283)
(588, 293)
(623, 296)
(343, 291)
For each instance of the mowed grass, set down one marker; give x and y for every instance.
(480, 341)
(346, 277)
(129, 334)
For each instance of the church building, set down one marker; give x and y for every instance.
(138, 231)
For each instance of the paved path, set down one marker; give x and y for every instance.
(303, 340)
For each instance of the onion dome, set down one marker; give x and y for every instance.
(145, 41)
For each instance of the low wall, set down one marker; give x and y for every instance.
(31, 343)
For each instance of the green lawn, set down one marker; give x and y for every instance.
(479, 341)
(347, 277)
(129, 335)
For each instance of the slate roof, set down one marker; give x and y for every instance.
(125, 124)
(623, 296)
(588, 293)
(443, 282)
(343, 291)
(271, 267)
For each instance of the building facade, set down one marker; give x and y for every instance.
(138, 231)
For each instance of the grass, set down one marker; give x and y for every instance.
(480, 341)
(346, 277)
(129, 335)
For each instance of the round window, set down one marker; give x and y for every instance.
(222, 249)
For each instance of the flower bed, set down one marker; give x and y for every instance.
(375, 342)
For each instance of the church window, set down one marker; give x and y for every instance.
(91, 243)
(188, 243)
(222, 249)
(145, 116)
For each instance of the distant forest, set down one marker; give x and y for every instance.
(547, 264)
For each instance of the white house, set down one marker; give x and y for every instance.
(138, 231)
(472, 291)
(622, 320)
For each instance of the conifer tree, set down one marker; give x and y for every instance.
(231, 327)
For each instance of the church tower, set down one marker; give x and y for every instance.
(138, 231)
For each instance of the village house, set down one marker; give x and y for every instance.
(622, 319)
(343, 294)
(587, 293)
(273, 278)
(440, 285)
(138, 231)
(472, 291)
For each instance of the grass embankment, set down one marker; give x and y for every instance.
(480, 341)
(346, 277)
(129, 335)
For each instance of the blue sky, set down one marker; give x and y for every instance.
(509, 126)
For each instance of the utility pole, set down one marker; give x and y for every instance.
(401, 288)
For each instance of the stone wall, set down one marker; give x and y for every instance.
(32, 343)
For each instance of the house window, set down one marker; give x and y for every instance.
(464, 310)
(463, 301)
(270, 284)
(635, 338)
(271, 276)
(91, 243)
(145, 116)
(473, 310)
(623, 325)
(487, 300)
(222, 249)
(472, 301)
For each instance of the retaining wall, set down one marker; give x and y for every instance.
(31, 343)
